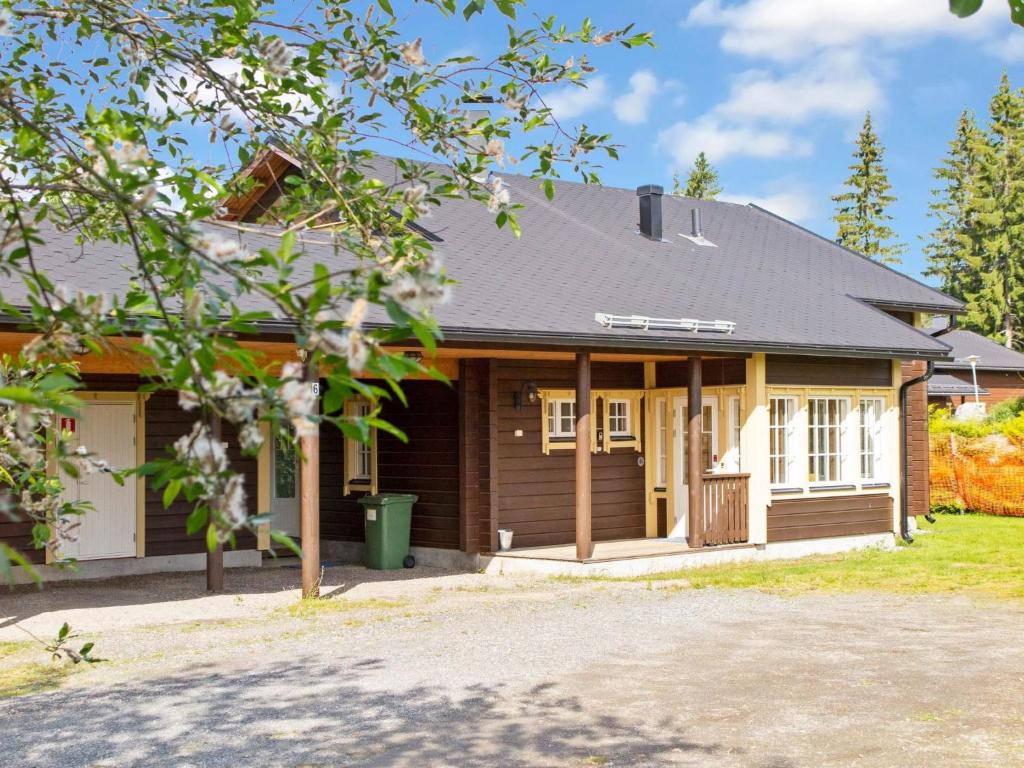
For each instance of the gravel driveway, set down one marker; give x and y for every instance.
(470, 670)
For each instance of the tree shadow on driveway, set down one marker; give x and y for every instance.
(306, 713)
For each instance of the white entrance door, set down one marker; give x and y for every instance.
(284, 502)
(107, 430)
(708, 451)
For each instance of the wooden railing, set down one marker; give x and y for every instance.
(725, 509)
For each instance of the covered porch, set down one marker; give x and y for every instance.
(609, 490)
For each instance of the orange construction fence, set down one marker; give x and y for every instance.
(979, 474)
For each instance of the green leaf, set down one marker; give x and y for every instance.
(196, 520)
(549, 189)
(964, 8)
(282, 538)
(211, 538)
(171, 492)
(472, 8)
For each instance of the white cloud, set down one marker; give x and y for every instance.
(1008, 49)
(793, 29)
(720, 141)
(785, 198)
(572, 100)
(632, 107)
(834, 85)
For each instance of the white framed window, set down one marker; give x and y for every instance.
(708, 434)
(826, 439)
(872, 439)
(561, 419)
(781, 444)
(619, 418)
(661, 443)
(734, 422)
(360, 457)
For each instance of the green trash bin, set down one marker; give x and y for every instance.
(388, 517)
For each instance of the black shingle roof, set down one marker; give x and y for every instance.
(994, 356)
(945, 384)
(784, 287)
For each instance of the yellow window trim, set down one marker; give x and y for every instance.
(633, 396)
(351, 447)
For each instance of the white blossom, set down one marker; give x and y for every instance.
(220, 250)
(413, 197)
(356, 350)
(232, 503)
(5, 22)
(200, 448)
(412, 53)
(357, 314)
(277, 56)
(299, 401)
(187, 400)
(496, 148)
(250, 438)
(499, 195)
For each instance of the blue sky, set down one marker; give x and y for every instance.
(776, 90)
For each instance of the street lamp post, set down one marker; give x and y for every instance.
(974, 360)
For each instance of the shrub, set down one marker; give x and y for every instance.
(1005, 411)
(941, 422)
(1014, 431)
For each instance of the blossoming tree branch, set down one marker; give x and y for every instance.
(106, 108)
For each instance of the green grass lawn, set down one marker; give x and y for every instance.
(975, 555)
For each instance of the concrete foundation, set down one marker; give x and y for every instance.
(642, 566)
(136, 566)
(353, 552)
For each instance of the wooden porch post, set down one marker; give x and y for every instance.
(583, 534)
(215, 558)
(694, 463)
(309, 504)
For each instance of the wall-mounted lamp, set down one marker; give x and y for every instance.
(414, 355)
(527, 392)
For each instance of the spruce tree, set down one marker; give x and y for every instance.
(701, 183)
(861, 209)
(953, 244)
(997, 207)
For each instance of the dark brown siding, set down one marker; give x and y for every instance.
(817, 518)
(18, 534)
(536, 494)
(472, 379)
(488, 456)
(917, 433)
(715, 372)
(799, 370)
(427, 465)
(165, 528)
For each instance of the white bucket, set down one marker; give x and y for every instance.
(504, 539)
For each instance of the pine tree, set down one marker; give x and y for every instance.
(953, 244)
(701, 183)
(861, 212)
(997, 206)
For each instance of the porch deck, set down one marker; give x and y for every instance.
(604, 551)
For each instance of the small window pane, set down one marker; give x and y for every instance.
(284, 468)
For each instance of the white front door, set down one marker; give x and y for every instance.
(107, 430)
(284, 501)
(708, 450)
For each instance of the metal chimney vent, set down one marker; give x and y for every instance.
(696, 235)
